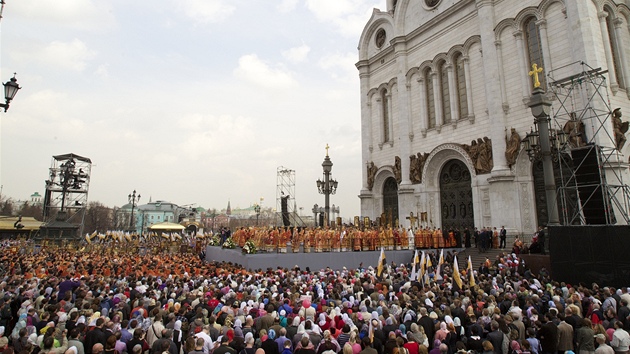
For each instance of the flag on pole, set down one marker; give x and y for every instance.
(456, 277)
(422, 265)
(381, 263)
(439, 266)
(414, 262)
(471, 274)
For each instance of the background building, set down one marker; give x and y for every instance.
(444, 82)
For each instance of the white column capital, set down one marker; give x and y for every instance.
(542, 23)
(518, 34)
(602, 16)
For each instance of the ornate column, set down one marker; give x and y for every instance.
(452, 93)
(424, 115)
(379, 115)
(410, 117)
(622, 54)
(366, 120)
(610, 62)
(437, 101)
(544, 43)
(520, 50)
(390, 118)
(492, 82)
(469, 98)
(504, 102)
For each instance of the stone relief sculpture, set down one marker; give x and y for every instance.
(620, 129)
(416, 165)
(397, 169)
(371, 174)
(480, 153)
(512, 147)
(574, 128)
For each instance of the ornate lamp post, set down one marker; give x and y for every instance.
(133, 200)
(11, 88)
(257, 210)
(538, 144)
(328, 186)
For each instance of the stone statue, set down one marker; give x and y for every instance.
(512, 147)
(620, 128)
(574, 128)
(397, 169)
(484, 161)
(371, 173)
(416, 165)
(413, 169)
(472, 150)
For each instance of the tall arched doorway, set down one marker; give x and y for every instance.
(390, 201)
(456, 197)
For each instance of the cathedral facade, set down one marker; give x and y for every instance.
(445, 93)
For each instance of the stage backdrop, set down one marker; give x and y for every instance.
(587, 254)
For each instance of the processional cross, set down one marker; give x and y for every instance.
(534, 73)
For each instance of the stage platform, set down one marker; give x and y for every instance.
(334, 260)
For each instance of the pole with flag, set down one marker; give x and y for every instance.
(381, 263)
(414, 262)
(471, 274)
(457, 280)
(438, 276)
(422, 267)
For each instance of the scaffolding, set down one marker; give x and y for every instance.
(66, 195)
(582, 112)
(285, 192)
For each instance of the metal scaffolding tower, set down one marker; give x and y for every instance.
(285, 193)
(66, 195)
(582, 115)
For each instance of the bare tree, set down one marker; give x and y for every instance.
(98, 218)
(34, 210)
(6, 206)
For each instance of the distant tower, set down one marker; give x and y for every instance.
(229, 209)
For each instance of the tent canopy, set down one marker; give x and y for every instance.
(166, 226)
(29, 223)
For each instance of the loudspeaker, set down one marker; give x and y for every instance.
(285, 211)
(590, 180)
(590, 254)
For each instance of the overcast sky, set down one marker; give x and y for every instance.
(189, 101)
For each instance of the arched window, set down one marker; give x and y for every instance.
(614, 48)
(460, 81)
(428, 82)
(385, 106)
(534, 48)
(446, 98)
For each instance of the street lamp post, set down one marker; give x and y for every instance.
(257, 210)
(538, 146)
(11, 88)
(133, 200)
(328, 186)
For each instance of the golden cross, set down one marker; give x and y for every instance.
(534, 73)
(327, 147)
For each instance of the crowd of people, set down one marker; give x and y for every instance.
(71, 301)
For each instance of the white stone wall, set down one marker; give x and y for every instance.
(571, 33)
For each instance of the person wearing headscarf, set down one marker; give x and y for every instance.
(268, 344)
(21, 323)
(178, 335)
(417, 335)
